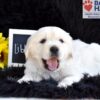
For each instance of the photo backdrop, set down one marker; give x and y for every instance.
(33, 14)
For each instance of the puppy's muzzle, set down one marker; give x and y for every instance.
(54, 51)
(52, 63)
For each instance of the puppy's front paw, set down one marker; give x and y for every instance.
(20, 81)
(25, 79)
(65, 83)
(68, 81)
(62, 85)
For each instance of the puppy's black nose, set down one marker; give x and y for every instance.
(54, 51)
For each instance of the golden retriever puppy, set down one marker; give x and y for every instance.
(52, 53)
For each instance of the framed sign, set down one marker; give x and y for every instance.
(17, 41)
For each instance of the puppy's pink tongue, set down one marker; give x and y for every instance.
(52, 64)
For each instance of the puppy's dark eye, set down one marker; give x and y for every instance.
(43, 41)
(61, 40)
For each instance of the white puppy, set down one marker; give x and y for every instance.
(51, 52)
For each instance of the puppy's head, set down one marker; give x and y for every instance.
(49, 46)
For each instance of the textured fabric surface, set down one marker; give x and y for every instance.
(88, 87)
(33, 14)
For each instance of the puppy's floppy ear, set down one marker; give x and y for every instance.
(27, 49)
(70, 42)
(70, 56)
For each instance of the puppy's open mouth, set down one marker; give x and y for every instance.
(51, 64)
